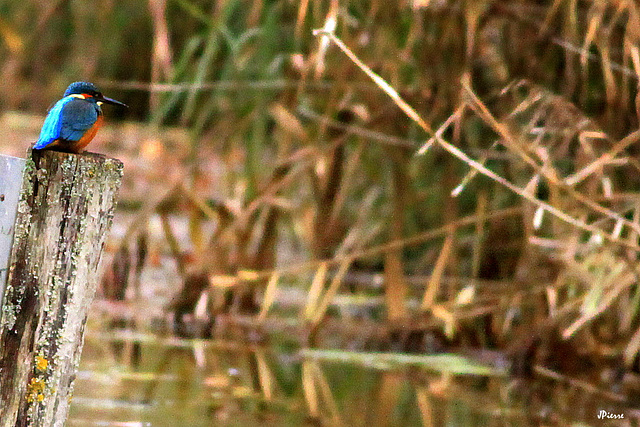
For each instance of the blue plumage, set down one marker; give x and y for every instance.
(67, 120)
(77, 117)
(73, 120)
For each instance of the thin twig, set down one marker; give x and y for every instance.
(256, 277)
(232, 85)
(356, 130)
(409, 111)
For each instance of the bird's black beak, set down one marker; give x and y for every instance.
(112, 101)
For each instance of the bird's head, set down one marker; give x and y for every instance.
(89, 92)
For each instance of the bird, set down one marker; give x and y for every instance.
(74, 120)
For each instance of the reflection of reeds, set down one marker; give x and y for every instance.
(331, 387)
(314, 380)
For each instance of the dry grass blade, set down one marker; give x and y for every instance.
(538, 216)
(424, 404)
(330, 24)
(331, 291)
(277, 183)
(309, 388)
(447, 317)
(221, 210)
(501, 129)
(635, 58)
(348, 174)
(288, 121)
(174, 245)
(632, 348)
(617, 230)
(315, 291)
(451, 119)
(396, 288)
(606, 301)
(269, 296)
(603, 160)
(302, 13)
(583, 385)
(470, 175)
(551, 13)
(356, 130)
(196, 234)
(594, 25)
(611, 89)
(264, 375)
(390, 387)
(436, 277)
(223, 281)
(327, 395)
(161, 57)
(481, 210)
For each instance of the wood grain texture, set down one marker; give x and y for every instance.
(65, 210)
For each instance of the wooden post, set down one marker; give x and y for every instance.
(10, 182)
(65, 210)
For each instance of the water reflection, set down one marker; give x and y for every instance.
(134, 379)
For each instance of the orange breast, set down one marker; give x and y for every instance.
(78, 147)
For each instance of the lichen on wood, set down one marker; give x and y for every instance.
(65, 210)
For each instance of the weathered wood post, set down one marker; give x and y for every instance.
(65, 210)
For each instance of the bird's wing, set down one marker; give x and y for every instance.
(51, 127)
(77, 117)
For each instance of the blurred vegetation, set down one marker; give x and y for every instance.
(515, 228)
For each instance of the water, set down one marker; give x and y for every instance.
(144, 379)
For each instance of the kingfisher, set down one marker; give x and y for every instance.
(74, 120)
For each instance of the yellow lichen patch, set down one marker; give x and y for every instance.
(41, 363)
(35, 390)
